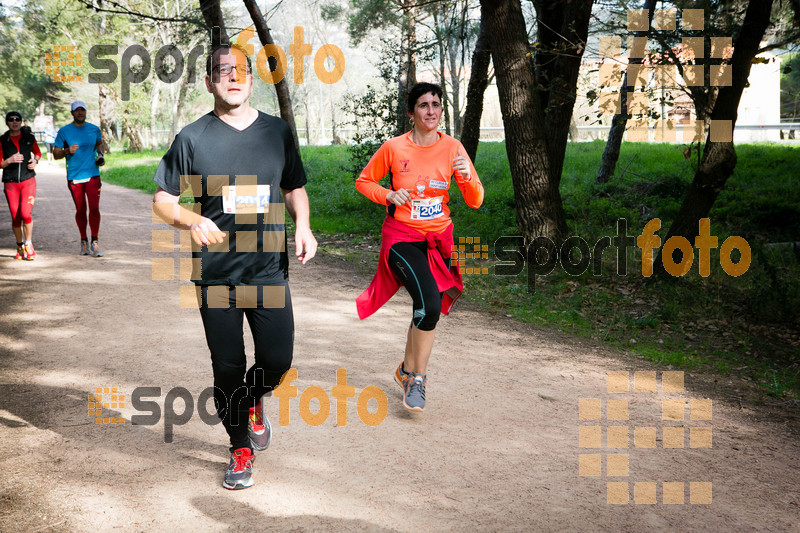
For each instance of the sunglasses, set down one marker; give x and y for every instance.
(15, 119)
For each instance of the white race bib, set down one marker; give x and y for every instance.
(233, 203)
(426, 208)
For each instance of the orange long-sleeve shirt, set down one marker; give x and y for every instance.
(425, 171)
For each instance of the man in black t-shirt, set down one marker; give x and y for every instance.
(243, 168)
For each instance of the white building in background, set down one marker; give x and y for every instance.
(761, 101)
(759, 105)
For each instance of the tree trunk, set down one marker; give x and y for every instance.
(334, 137)
(156, 97)
(536, 119)
(281, 88)
(132, 133)
(308, 122)
(180, 101)
(408, 65)
(177, 110)
(478, 81)
(455, 88)
(620, 120)
(445, 104)
(105, 104)
(458, 44)
(538, 204)
(563, 29)
(212, 14)
(704, 99)
(719, 157)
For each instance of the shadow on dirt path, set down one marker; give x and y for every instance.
(498, 448)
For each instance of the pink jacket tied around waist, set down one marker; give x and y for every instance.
(384, 285)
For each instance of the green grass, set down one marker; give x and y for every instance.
(132, 170)
(746, 325)
(337, 206)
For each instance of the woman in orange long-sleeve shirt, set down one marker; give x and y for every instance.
(417, 232)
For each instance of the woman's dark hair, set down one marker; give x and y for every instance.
(418, 90)
(13, 114)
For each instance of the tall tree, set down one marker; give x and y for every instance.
(454, 33)
(105, 106)
(536, 99)
(396, 16)
(478, 81)
(725, 22)
(440, 37)
(719, 155)
(212, 14)
(457, 56)
(620, 120)
(666, 47)
(408, 63)
(281, 87)
(790, 88)
(23, 37)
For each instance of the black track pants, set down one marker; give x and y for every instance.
(236, 387)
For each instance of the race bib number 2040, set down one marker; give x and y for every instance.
(426, 208)
(245, 204)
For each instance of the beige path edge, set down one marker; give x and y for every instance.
(497, 449)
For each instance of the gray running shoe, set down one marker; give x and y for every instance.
(239, 474)
(414, 398)
(258, 428)
(85, 248)
(401, 376)
(96, 251)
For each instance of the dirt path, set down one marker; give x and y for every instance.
(497, 448)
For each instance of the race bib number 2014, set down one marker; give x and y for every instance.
(426, 208)
(245, 204)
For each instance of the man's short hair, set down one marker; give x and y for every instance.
(224, 49)
(418, 90)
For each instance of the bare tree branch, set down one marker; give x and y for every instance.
(124, 10)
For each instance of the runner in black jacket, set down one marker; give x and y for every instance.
(20, 153)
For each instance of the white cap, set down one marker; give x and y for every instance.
(78, 103)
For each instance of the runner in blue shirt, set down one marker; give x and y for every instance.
(49, 140)
(81, 143)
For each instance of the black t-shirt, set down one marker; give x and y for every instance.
(241, 174)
